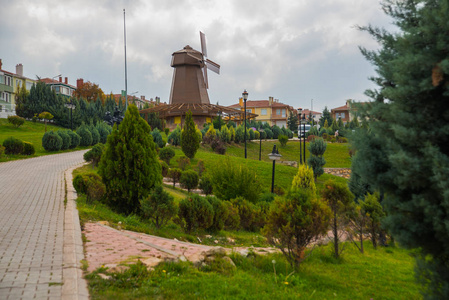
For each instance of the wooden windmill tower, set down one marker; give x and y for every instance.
(190, 82)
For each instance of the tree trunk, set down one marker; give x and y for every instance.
(335, 229)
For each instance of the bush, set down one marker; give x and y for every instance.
(79, 185)
(159, 207)
(157, 138)
(283, 139)
(94, 154)
(304, 179)
(189, 180)
(95, 134)
(210, 135)
(268, 133)
(342, 140)
(325, 136)
(174, 174)
(74, 139)
(85, 135)
(28, 149)
(316, 161)
(91, 185)
(239, 134)
(247, 213)
(164, 168)
(220, 213)
(276, 131)
(183, 162)
(175, 137)
(104, 130)
(16, 121)
(166, 154)
(2, 151)
(200, 167)
(256, 135)
(66, 140)
(206, 184)
(196, 212)
(51, 141)
(311, 138)
(267, 197)
(333, 140)
(294, 222)
(13, 145)
(251, 134)
(225, 134)
(218, 146)
(263, 134)
(230, 181)
(232, 221)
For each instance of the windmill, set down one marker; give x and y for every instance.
(190, 81)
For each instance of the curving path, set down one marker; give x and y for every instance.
(33, 229)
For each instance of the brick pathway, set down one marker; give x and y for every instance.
(32, 193)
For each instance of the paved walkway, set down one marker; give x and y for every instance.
(32, 254)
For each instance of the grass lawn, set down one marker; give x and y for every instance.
(29, 132)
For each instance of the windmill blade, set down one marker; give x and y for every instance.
(194, 57)
(203, 43)
(206, 80)
(214, 67)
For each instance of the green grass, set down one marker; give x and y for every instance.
(386, 273)
(29, 132)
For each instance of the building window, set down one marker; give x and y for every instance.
(263, 112)
(283, 113)
(342, 115)
(57, 89)
(248, 110)
(29, 85)
(278, 111)
(8, 80)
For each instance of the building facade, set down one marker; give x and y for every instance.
(61, 88)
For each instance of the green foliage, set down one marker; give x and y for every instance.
(339, 199)
(166, 154)
(104, 130)
(269, 133)
(294, 222)
(2, 151)
(164, 168)
(196, 212)
(220, 213)
(85, 135)
(157, 138)
(16, 121)
(95, 134)
(317, 147)
(183, 162)
(91, 185)
(75, 139)
(129, 165)
(13, 145)
(189, 180)
(251, 134)
(230, 181)
(247, 213)
(28, 149)
(292, 122)
(283, 139)
(232, 132)
(239, 134)
(276, 131)
(189, 139)
(211, 133)
(304, 179)
(218, 146)
(166, 131)
(225, 134)
(159, 207)
(326, 118)
(174, 174)
(232, 221)
(94, 154)
(66, 140)
(154, 121)
(375, 213)
(205, 184)
(51, 141)
(175, 137)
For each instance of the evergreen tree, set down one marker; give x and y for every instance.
(129, 165)
(340, 124)
(21, 102)
(326, 115)
(189, 139)
(409, 133)
(292, 122)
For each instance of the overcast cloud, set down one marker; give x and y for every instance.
(293, 50)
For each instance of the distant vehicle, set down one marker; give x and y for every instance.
(301, 129)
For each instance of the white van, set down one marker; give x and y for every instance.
(301, 129)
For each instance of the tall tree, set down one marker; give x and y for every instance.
(409, 133)
(292, 122)
(21, 102)
(326, 115)
(90, 91)
(190, 141)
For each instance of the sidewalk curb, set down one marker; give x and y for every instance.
(75, 286)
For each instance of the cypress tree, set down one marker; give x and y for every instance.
(326, 116)
(189, 139)
(406, 153)
(129, 165)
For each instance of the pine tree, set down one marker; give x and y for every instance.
(326, 116)
(292, 122)
(129, 165)
(406, 153)
(189, 139)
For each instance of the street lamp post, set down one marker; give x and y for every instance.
(304, 131)
(245, 97)
(260, 143)
(274, 156)
(71, 106)
(299, 136)
(311, 111)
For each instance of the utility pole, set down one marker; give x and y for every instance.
(126, 75)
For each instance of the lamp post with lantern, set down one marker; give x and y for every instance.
(245, 97)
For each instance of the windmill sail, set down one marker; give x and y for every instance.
(214, 67)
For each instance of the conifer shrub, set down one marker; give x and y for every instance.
(205, 184)
(211, 134)
(232, 132)
(196, 212)
(91, 185)
(283, 139)
(85, 135)
(232, 221)
(104, 130)
(95, 134)
(166, 154)
(166, 131)
(304, 179)
(16, 121)
(342, 140)
(225, 134)
(79, 184)
(94, 155)
(190, 141)
(316, 160)
(129, 165)
(74, 139)
(276, 131)
(220, 213)
(268, 133)
(174, 138)
(189, 180)
(375, 214)
(157, 138)
(256, 135)
(174, 174)
(322, 132)
(324, 135)
(263, 134)
(183, 162)
(13, 145)
(28, 148)
(51, 141)
(251, 134)
(240, 134)
(66, 140)
(159, 207)
(247, 212)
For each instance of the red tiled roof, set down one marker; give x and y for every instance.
(307, 111)
(344, 107)
(261, 103)
(52, 81)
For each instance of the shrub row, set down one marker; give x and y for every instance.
(60, 140)
(13, 145)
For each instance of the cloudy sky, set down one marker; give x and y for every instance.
(293, 50)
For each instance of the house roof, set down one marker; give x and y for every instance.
(307, 111)
(55, 82)
(344, 107)
(260, 104)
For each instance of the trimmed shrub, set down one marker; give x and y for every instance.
(283, 139)
(85, 135)
(51, 141)
(268, 133)
(263, 134)
(189, 180)
(13, 145)
(206, 184)
(225, 134)
(256, 135)
(232, 221)
(104, 130)
(190, 141)
(157, 138)
(251, 134)
(94, 154)
(196, 212)
(95, 188)
(166, 154)
(79, 184)
(183, 162)
(316, 161)
(240, 134)
(220, 213)
(342, 140)
(247, 212)
(16, 121)
(74, 139)
(324, 135)
(174, 174)
(276, 131)
(166, 131)
(66, 140)
(28, 149)
(304, 179)
(159, 207)
(175, 137)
